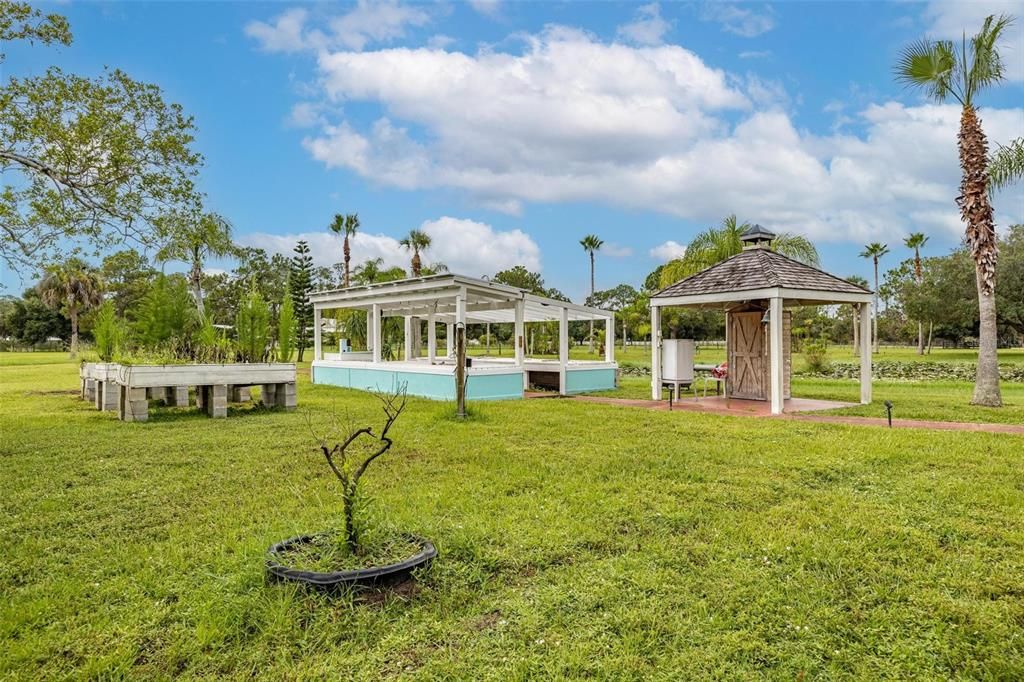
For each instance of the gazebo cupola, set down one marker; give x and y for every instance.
(757, 237)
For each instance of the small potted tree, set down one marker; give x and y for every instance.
(352, 556)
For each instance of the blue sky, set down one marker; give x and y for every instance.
(510, 130)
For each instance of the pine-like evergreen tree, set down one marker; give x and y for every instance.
(300, 282)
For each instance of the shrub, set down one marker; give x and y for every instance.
(108, 332)
(253, 326)
(286, 328)
(815, 354)
(168, 312)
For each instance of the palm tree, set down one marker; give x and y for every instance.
(346, 225)
(591, 245)
(1007, 165)
(916, 241)
(417, 241)
(875, 251)
(716, 244)
(945, 71)
(369, 272)
(193, 240)
(71, 287)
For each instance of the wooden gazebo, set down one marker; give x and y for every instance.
(754, 288)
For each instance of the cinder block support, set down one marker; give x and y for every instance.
(133, 405)
(268, 395)
(240, 394)
(107, 395)
(200, 397)
(154, 393)
(286, 396)
(215, 400)
(88, 389)
(177, 396)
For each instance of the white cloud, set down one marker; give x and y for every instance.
(667, 251)
(648, 28)
(285, 34)
(755, 54)
(742, 21)
(616, 250)
(368, 22)
(489, 8)
(465, 246)
(572, 119)
(951, 19)
(440, 41)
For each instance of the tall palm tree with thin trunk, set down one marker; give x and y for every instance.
(71, 287)
(916, 241)
(875, 251)
(195, 239)
(417, 241)
(716, 244)
(946, 71)
(345, 226)
(591, 245)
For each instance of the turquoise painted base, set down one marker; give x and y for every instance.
(585, 380)
(426, 385)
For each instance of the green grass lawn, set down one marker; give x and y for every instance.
(935, 400)
(575, 540)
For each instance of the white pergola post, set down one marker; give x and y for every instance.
(655, 352)
(865, 353)
(460, 307)
(609, 339)
(375, 325)
(449, 339)
(563, 349)
(519, 334)
(775, 358)
(369, 329)
(408, 338)
(317, 335)
(431, 339)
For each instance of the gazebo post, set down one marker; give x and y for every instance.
(408, 338)
(431, 338)
(865, 353)
(375, 326)
(519, 339)
(655, 352)
(775, 358)
(563, 349)
(609, 339)
(317, 335)
(449, 339)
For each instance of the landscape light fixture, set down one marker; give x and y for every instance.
(888, 410)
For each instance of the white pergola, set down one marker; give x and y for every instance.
(452, 299)
(759, 275)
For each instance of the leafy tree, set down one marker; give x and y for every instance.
(942, 71)
(518, 276)
(253, 326)
(71, 287)
(32, 322)
(193, 239)
(716, 244)
(875, 251)
(127, 276)
(617, 299)
(1010, 295)
(286, 328)
(21, 21)
(167, 312)
(89, 161)
(417, 241)
(300, 284)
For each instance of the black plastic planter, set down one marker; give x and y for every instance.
(378, 576)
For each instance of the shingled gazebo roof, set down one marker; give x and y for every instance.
(758, 268)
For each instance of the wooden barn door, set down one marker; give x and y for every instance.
(747, 362)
